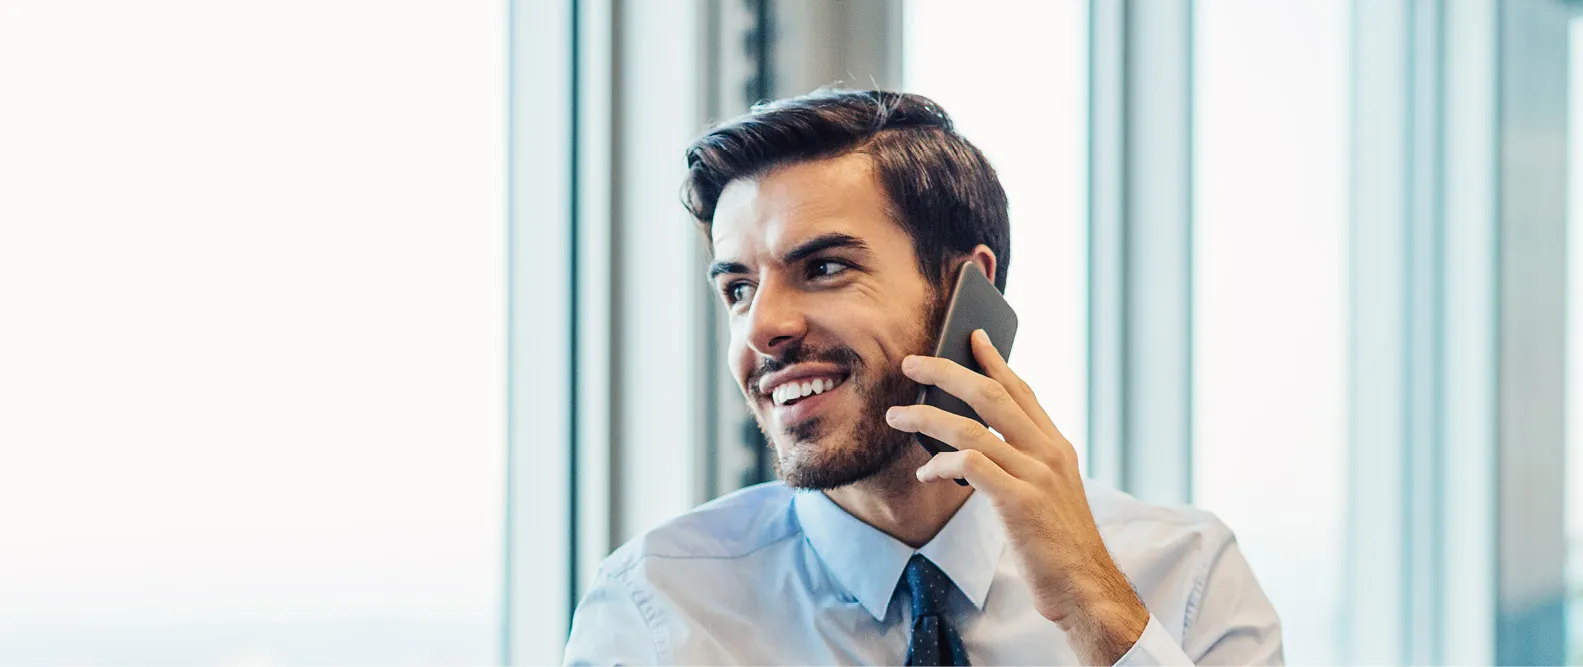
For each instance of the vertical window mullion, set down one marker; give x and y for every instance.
(540, 290)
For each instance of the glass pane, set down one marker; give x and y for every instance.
(1014, 76)
(1574, 380)
(251, 266)
(1270, 271)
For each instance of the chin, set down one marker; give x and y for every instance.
(838, 441)
(831, 461)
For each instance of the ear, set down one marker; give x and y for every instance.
(986, 261)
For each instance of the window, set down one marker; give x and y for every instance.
(1270, 330)
(996, 67)
(1574, 327)
(252, 271)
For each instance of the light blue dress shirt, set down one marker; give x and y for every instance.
(768, 575)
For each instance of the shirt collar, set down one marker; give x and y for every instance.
(869, 563)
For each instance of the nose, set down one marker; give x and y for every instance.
(775, 320)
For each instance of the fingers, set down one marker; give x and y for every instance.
(990, 399)
(997, 369)
(972, 465)
(959, 432)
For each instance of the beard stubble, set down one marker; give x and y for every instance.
(822, 455)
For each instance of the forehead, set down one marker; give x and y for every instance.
(802, 200)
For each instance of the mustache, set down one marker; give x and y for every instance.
(841, 355)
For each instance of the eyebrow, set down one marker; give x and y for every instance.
(718, 268)
(803, 251)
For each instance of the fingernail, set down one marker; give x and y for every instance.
(909, 362)
(892, 414)
(981, 334)
(919, 473)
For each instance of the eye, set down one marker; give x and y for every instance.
(825, 268)
(737, 292)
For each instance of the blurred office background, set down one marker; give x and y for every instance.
(359, 332)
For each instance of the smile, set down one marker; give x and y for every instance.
(792, 391)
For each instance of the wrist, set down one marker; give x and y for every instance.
(1118, 625)
(1105, 619)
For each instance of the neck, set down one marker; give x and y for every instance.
(897, 504)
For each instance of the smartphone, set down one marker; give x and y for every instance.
(975, 304)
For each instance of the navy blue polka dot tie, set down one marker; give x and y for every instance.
(934, 640)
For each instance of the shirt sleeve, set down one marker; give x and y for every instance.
(609, 628)
(1155, 647)
(1230, 622)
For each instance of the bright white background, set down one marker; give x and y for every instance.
(1270, 284)
(1014, 77)
(251, 331)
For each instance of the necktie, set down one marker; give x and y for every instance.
(934, 640)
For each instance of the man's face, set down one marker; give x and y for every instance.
(825, 299)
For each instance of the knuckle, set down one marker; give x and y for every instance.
(1049, 464)
(973, 459)
(1065, 458)
(992, 391)
(968, 430)
(1043, 477)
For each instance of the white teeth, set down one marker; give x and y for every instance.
(792, 391)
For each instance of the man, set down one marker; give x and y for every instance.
(836, 221)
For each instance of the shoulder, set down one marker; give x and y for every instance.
(732, 526)
(1185, 565)
(1117, 510)
(1168, 552)
(1138, 532)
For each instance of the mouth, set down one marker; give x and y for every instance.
(797, 399)
(796, 390)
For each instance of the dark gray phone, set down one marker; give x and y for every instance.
(975, 304)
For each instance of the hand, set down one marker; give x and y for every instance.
(1032, 480)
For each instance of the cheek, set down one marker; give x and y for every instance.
(897, 333)
(742, 360)
(859, 323)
